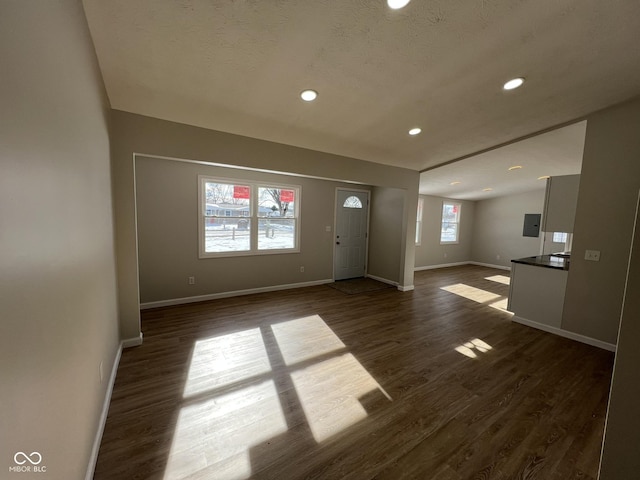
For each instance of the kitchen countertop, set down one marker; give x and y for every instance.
(547, 261)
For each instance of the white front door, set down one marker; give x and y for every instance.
(352, 213)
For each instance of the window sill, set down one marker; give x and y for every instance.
(205, 255)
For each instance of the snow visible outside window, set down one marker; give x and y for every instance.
(243, 218)
(449, 233)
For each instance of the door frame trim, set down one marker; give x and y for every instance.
(335, 227)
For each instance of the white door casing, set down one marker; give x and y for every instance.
(350, 249)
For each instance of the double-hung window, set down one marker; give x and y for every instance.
(239, 217)
(450, 231)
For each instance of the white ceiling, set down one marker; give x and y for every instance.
(239, 65)
(558, 152)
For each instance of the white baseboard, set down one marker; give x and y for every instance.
(441, 265)
(457, 264)
(132, 342)
(234, 293)
(383, 280)
(490, 265)
(103, 415)
(565, 333)
(406, 288)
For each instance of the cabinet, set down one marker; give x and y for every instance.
(560, 203)
(536, 295)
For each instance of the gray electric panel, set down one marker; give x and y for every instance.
(531, 225)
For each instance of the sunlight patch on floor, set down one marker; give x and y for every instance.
(305, 338)
(198, 445)
(478, 295)
(503, 279)
(501, 305)
(471, 293)
(329, 393)
(473, 347)
(220, 361)
(231, 403)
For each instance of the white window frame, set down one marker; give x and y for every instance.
(252, 216)
(563, 235)
(442, 221)
(419, 214)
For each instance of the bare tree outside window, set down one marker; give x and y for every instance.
(243, 218)
(275, 195)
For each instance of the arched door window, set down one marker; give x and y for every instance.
(352, 202)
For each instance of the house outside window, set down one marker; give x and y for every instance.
(450, 229)
(247, 218)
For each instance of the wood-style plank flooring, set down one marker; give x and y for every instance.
(436, 383)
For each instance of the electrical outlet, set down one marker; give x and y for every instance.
(445, 254)
(497, 257)
(192, 280)
(592, 255)
(301, 269)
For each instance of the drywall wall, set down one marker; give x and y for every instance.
(385, 233)
(167, 206)
(58, 306)
(430, 252)
(560, 203)
(133, 134)
(497, 228)
(604, 221)
(622, 436)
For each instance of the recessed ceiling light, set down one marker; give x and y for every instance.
(515, 167)
(513, 83)
(487, 189)
(544, 177)
(455, 183)
(309, 95)
(397, 4)
(415, 131)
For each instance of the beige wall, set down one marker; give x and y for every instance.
(620, 457)
(57, 268)
(167, 200)
(604, 221)
(133, 134)
(497, 228)
(385, 233)
(430, 252)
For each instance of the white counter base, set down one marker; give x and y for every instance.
(537, 293)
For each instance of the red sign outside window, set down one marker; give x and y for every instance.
(241, 191)
(455, 209)
(286, 195)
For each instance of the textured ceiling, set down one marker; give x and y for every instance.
(239, 65)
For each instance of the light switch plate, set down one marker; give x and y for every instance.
(592, 255)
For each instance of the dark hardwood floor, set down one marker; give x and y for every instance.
(436, 383)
